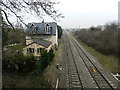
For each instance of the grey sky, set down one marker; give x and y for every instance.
(84, 13)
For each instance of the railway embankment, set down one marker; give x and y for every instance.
(109, 62)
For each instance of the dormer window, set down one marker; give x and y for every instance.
(47, 29)
(50, 29)
(32, 26)
(35, 30)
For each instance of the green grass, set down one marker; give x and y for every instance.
(110, 62)
(18, 47)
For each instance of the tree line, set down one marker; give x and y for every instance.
(60, 31)
(105, 40)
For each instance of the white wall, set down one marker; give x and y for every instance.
(56, 36)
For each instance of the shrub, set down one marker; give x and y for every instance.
(60, 32)
(46, 58)
(106, 41)
(18, 63)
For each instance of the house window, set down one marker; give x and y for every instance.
(39, 50)
(47, 29)
(32, 25)
(27, 50)
(34, 30)
(30, 50)
(51, 29)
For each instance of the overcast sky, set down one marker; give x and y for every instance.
(84, 13)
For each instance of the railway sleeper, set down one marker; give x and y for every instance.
(75, 80)
(74, 74)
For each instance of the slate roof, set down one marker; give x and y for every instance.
(42, 42)
(40, 28)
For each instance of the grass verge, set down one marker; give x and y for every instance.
(51, 72)
(110, 62)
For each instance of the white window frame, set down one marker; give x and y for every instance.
(47, 28)
(32, 50)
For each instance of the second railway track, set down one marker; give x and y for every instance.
(98, 77)
(82, 72)
(78, 75)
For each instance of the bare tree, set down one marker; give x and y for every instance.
(19, 8)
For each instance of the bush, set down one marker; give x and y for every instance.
(18, 63)
(10, 36)
(60, 32)
(106, 41)
(15, 61)
(46, 58)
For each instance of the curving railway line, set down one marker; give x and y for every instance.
(82, 71)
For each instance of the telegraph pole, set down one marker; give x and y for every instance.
(0, 49)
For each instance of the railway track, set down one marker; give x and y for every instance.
(78, 76)
(98, 77)
(87, 77)
(73, 77)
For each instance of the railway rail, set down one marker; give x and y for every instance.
(98, 77)
(73, 77)
(77, 78)
(81, 70)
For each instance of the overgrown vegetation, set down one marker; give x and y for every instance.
(24, 69)
(106, 41)
(15, 61)
(104, 44)
(10, 36)
(30, 80)
(60, 31)
(45, 59)
(108, 61)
